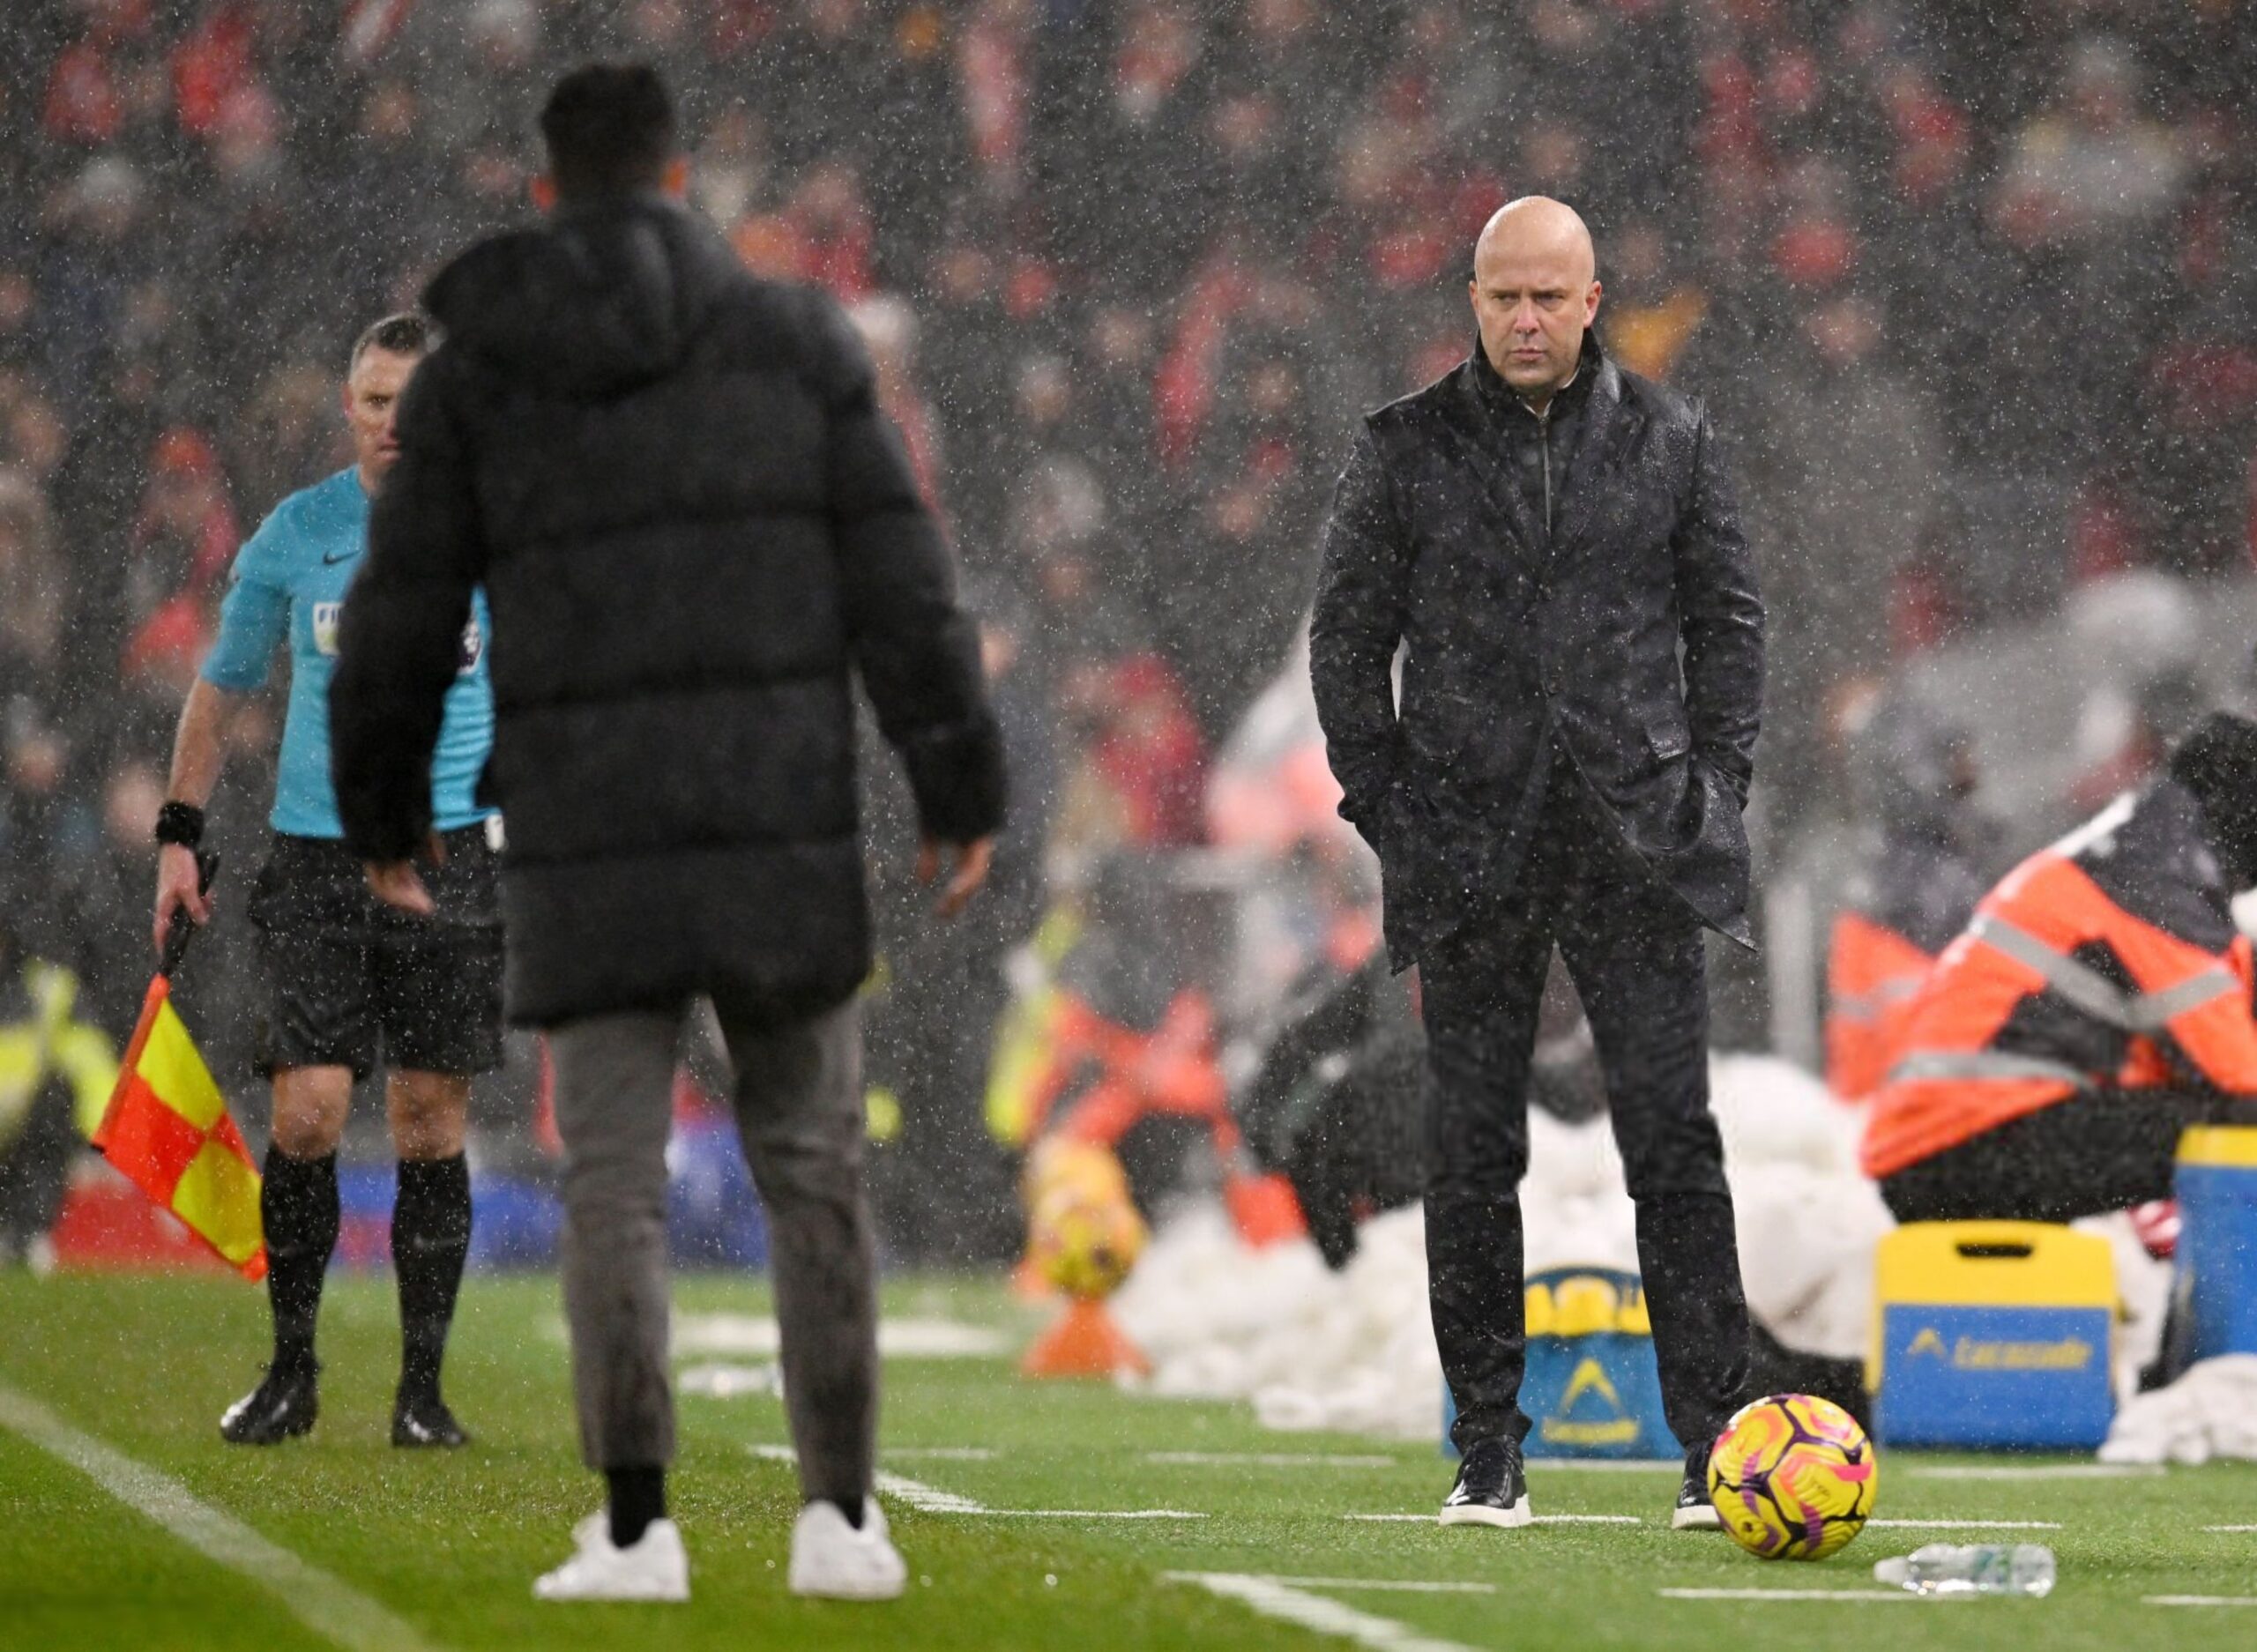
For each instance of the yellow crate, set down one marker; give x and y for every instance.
(2006, 1332)
(1988, 1264)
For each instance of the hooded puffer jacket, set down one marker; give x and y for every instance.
(694, 530)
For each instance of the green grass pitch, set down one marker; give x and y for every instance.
(450, 1544)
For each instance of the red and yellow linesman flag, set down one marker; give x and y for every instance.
(168, 1130)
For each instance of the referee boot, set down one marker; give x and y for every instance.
(282, 1406)
(1695, 1509)
(419, 1418)
(1492, 1487)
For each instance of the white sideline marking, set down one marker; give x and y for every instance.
(1086, 1514)
(1274, 1597)
(1404, 1586)
(1876, 1596)
(718, 1380)
(1541, 1520)
(1265, 1459)
(753, 1336)
(2042, 1471)
(930, 1500)
(2198, 1600)
(1969, 1525)
(941, 1454)
(329, 1607)
(2230, 1528)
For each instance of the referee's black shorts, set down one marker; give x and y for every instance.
(348, 977)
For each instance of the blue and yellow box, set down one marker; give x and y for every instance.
(2216, 1287)
(1993, 1335)
(1591, 1388)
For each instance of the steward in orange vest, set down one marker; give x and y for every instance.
(2099, 1003)
(1915, 776)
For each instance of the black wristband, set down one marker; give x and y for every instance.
(180, 824)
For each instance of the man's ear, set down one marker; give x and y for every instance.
(675, 182)
(544, 192)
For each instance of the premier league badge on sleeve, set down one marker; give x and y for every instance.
(326, 617)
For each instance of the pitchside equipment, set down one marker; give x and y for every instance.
(1085, 1243)
(2214, 1291)
(1084, 1236)
(1992, 1334)
(1591, 1388)
(1793, 1477)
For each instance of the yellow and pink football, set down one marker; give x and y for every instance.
(1793, 1477)
(1085, 1242)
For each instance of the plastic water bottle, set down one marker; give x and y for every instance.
(1985, 1568)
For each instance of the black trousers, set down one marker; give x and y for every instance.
(1634, 952)
(2107, 1149)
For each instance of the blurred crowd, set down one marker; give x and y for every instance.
(1972, 290)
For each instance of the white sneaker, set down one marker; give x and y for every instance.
(654, 1566)
(834, 1561)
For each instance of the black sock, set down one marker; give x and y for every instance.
(638, 1496)
(297, 1204)
(430, 1237)
(853, 1515)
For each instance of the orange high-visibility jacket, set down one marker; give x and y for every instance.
(1917, 893)
(2110, 959)
(1872, 976)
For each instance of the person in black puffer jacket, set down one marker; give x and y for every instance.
(694, 528)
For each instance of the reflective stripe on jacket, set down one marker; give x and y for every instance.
(1872, 976)
(2068, 979)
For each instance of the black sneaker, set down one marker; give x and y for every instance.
(423, 1419)
(281, 1407)
(1492, 1490)
(1695, 1510)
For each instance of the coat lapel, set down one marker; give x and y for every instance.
(1608, 429)
(1480, 441)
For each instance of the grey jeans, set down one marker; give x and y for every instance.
(799, 1106)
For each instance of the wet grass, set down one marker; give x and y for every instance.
(451, 1543)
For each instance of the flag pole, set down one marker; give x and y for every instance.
(182, 929)
(179, 932)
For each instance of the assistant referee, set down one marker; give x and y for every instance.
(348, 977)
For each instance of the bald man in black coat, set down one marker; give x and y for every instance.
(1553, 543)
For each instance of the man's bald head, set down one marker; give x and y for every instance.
(1537, 225)
(1535, 291)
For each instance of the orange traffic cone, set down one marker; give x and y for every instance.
(1083, 1342)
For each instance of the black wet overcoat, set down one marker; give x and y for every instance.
(1629, 638)
(695, 530)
